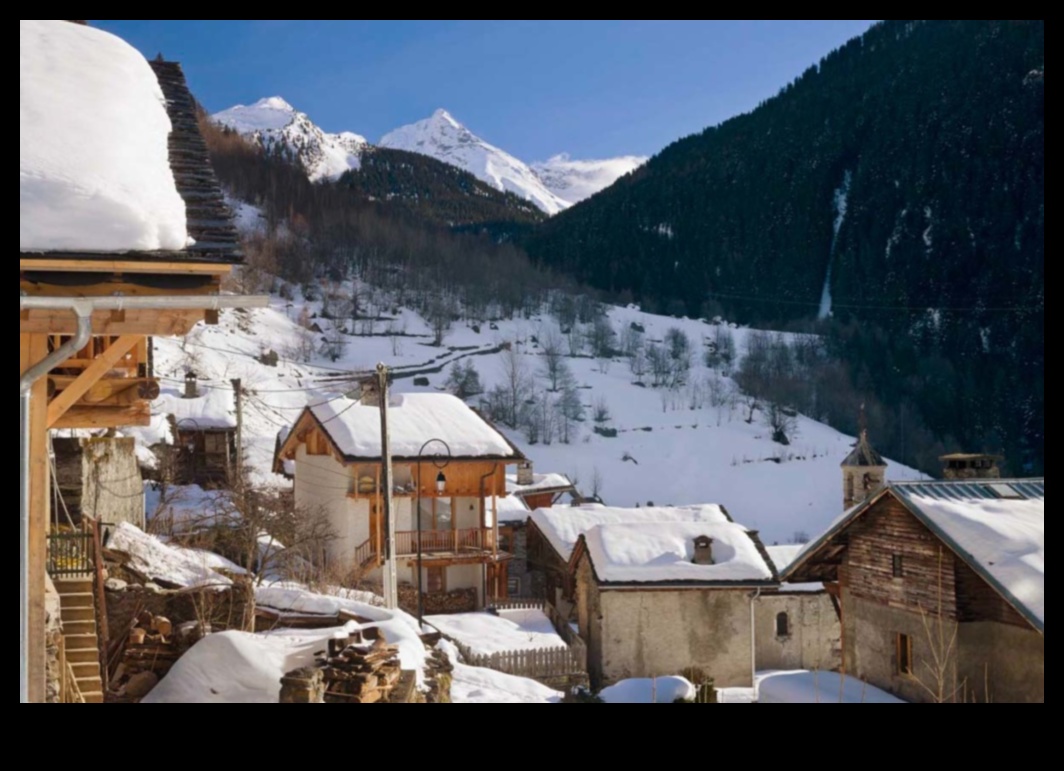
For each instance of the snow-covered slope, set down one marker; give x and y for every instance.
(274, 122)
(445, 139)
(575, 180)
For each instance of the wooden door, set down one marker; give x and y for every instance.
(375, 526)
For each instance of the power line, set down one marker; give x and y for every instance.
(851, 306)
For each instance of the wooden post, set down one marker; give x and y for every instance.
(239, 391)
(34, 348)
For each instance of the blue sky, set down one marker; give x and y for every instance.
(535, 88)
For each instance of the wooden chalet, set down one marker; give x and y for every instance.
(448, 463)
(87, 314)
(940, 587)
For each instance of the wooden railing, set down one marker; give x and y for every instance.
(432, 542)
(70, 554)
(450, 541)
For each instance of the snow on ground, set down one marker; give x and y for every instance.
(173, 565)
(661, 690)
(94, 166)
(473, 685)
(575, 180)
(512, 630)
(818, 688)
(665, 452)
(240, 668)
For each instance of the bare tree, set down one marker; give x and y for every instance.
(334, 346)
(440, 315)
(552, 346)
(517, 386)
(570, 413)
(783, 422)
(601, 335)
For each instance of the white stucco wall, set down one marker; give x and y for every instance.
(320, 485)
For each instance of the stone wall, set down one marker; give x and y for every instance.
(53, 635)
(100, 478)
(224, 609)
(814, 634)
(1006, 660)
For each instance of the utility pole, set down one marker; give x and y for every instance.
(239, 391)
(391, 575)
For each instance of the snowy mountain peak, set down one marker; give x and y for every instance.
(280, 127)
(274, 103)
(576, 180)
(444, 138)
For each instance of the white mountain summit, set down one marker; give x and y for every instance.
(445, 139)
(553, 185)
(273, 123)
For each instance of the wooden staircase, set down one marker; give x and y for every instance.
(80, 636)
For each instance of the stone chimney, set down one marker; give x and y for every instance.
(191, 385)
(526, 474)
(704, 551)
(371, 392)
(965, 466)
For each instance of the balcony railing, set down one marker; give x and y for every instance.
(445, 541)
(474, 541)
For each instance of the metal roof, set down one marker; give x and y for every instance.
(967, 490)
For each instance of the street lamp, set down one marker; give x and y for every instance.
(441, 488)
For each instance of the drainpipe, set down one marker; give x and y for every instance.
(25, 389)
(753, 636)
(83, 308)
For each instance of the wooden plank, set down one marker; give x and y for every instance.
(106, 417)
(203, 285)
(34, 348)
(171, 323)
(90, 377)
(111, 390)
(123, 266)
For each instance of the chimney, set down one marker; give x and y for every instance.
(525, 474)
(191, 390)
(704, 551)
(970, 466)
(371, 393)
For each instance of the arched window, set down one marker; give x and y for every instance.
(783, 625)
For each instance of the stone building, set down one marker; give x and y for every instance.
(941, 588)
(864, 472)
(661, 598)
(99, 479)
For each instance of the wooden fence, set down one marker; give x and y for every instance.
(544, 664)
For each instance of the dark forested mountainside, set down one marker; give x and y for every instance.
(435, 191)
(339, 230)
(900, 184)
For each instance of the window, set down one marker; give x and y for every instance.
(513, 586)
(437, 580)
(851, 491)
(783, 625)
(905, 655)
(899, 566)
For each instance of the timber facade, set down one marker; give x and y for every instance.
(919, 619)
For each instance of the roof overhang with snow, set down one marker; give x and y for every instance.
(660, 556)
(112, 164)
(996, 527)
(353, 431)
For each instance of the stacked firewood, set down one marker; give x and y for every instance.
(359, 672)
(151, 651)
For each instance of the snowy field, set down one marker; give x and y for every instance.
(512, 630)
(665, 452)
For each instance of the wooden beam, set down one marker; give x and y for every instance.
(124, 266)
(144, 323)
(138, 414)
(103, 364)
(34, 348)
(108, 287)
(124, 390)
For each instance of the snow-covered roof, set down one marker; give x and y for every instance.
(540, 483)
(511, 509)
(563, 526)
(214, 410)
(413, 419)
(782, 557)
(996, 526)
(94, 164)
(664, 552)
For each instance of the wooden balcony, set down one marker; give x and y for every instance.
(462, 545)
